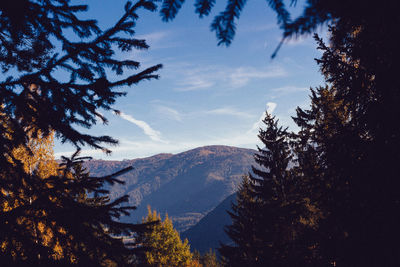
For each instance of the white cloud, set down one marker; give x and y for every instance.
(191, 83)
(150, 132)
(158, 40)
(271, 107)
(169, 113)
(190, 78)
(241, 76)
(289, 89)
(129, 149)
(257, 125)
(298, 40)
(229, 111)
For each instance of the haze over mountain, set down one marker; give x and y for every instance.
(187, 185)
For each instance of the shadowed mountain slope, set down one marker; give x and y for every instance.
(209, 231)
(187, 185)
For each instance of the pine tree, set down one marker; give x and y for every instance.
(35, 50)
(266, 221)
(164, 243)
(351, 152)
(242, 232)
(321, 142)
(67, 219)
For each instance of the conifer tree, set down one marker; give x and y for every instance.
(267, 218)
(164, 243)
(242, 232)
(67, 219)
(41, 41)
(351, 158)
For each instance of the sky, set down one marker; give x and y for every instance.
(207, 94)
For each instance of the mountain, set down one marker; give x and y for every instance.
(187, 185)
(209, 231)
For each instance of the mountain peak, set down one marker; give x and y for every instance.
(187, 185)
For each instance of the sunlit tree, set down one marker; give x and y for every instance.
(165, 244)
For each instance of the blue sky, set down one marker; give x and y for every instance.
(207, 94)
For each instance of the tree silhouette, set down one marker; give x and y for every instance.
(378, 18)
(267, 220)
(351, 154)
(243, 230)
(34, 32)
(59, 71)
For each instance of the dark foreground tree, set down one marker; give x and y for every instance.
(56, 75)
(66, 218)
(379, 18)
(266, 221)
(350, 160)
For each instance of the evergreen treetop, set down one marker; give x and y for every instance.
(165, 247)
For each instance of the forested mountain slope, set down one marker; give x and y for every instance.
(187, 185)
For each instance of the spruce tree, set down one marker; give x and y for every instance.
(67, 218)
(41, 41)
(242, 231)
(266, 221)
(351, 151)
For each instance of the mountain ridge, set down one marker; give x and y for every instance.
(187, 185)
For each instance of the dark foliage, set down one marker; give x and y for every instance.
(243, 230)
(266, 219)
(82, 227)
(42, 41)
(349, 152)
(35, 51)
(315, 14)
(224, 23)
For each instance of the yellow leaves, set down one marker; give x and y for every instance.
(166, 246)
(37, 157)
(40, 158)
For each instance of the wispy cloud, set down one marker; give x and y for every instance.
(191, 83)
(169, 113)
(150, 132)
(289, 89)
(229, 111)
(298, 40)
(190, 78)
(241, 76)
(129, 149)
(159, 40)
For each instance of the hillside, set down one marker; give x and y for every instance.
(187, 185)
(209, 231)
